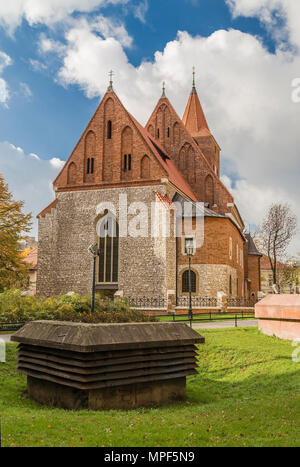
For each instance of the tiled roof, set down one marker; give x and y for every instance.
(197, 209)
(31, 259)
(165, 200)
(252, 250)
(194, 118)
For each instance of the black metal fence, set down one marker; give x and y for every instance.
(233, 302)
(10, 327)
(201, 302)
(146, 302)
(212, 316)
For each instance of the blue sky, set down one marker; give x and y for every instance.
(54, 63)
(56, 116)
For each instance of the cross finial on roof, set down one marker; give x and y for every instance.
(194, 84)
(164, 90)
(110, 87)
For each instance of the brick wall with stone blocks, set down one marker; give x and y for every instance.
(217, 259)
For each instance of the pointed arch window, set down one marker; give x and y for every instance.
(109, 250)
(109, 129)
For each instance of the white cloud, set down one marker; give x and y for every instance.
(25, 90)
(281, 16)
(29, 177)
(141, 10)
(5, 61)
(37, 65)
(46, 11)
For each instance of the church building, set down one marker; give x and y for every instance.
(170, 161)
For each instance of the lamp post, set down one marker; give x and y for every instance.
(94, 251)
(190, 253)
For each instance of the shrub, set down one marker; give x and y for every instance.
(15, 308)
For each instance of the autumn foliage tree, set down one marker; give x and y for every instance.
(13, 225)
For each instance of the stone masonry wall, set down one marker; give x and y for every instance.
(65, 235)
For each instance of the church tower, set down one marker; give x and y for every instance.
(195, 122)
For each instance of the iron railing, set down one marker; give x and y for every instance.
(10, 327)
(201, 302)
(241, 302)
(212, 316)
(147, 302)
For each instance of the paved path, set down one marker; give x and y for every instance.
(5, 337)
(226, 324)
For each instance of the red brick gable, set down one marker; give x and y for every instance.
(168, 129)
(98, 160)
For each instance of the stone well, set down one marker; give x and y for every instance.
(106, 366)
(279, 315)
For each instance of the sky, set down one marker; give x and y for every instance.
(55, 57)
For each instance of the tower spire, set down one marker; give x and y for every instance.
(110, 87)
(194, 90)
(194, 118)
(164, 90)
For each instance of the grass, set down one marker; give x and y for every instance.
(247, 393)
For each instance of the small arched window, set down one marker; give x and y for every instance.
(185, 282)
(158, 133)
(168, 132)
(109, 129)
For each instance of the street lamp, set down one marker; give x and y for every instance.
(189, 245)
(94, 251)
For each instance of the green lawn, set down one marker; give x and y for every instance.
(247, 393)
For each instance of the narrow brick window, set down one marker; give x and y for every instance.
(168, 132)
(88, 169)
(92, 165)
(125, 163)
(185, 282)
(230, 285)
(129, 161)
(158, 133)
(109, 129)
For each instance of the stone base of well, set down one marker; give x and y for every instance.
(106, 366)
(279, 316)
(128, 397)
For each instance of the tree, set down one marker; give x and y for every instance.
(291, 274)
(13, 224)
(278, 229)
